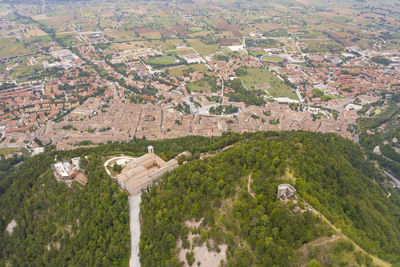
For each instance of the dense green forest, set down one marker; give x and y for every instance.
(88, 225)
(62, 226)
(77, 226)
(329, 172)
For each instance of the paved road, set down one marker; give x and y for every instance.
(134, 225)
(395, 180)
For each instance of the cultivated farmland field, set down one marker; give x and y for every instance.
(178, 71)
(9, 47)
(203, 49)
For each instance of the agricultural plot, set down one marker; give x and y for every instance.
(225, 34)
(58, 22)
(119, 35)
(24, 71)
(203, 49)
(199, 34)
(105, 22)
(195, 29)
(52, 14)
(167, 44)
(342, 19)
(67, 39)
(165, 21)
(4, 10)
(262, 79)
(312, 35)
(267, 26)
(151, 35)
(45, 38)
(129, 45)
(262, 43)
(33, 32)
(10, 47)
(321, 46)
(181, 70)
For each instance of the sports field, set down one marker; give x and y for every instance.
(163, 61)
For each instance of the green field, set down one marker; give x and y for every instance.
(52, 14)
(6, 151)
(313, 34)
(23, 71)
(182, 51)
(9, 47)
(273, 59)
(179, 71)
(195, 29)
(204, 85)
(342, 19)
(67, 39)
(45, 38)
(321, 46)
(162, 61)
(262, 79)
(203, 49)
(165, 21)
(258, 53)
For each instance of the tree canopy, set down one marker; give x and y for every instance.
(88, 225)
(329, 172)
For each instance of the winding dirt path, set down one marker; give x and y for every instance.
(375, 259)
(249, 180)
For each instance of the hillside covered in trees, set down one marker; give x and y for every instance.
(230, 196)
(330, 173)
(78, 226)
(61, 226)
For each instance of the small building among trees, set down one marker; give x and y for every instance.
(286, 191)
